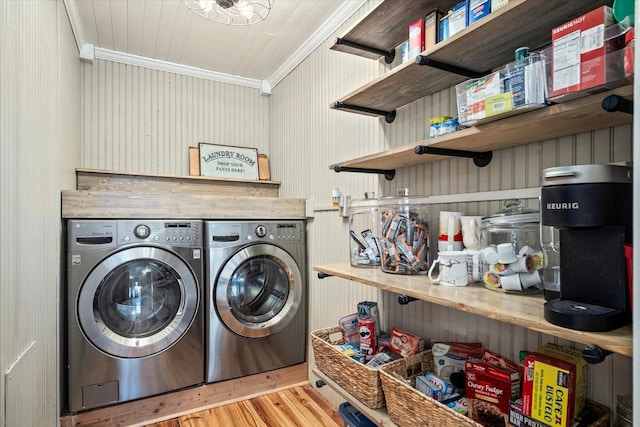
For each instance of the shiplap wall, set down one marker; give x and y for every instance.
(140, 120)
(39, 113)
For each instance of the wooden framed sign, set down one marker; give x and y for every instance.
(225, 161)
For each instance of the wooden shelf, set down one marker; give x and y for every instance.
(387, 26)
(525, 311)
(378, 416)
(576, 116)
(486, 44)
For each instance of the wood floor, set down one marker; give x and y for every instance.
(293, 407)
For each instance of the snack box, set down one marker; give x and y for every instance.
(554, 385)
(579, 52)
(370, 308)
(490, 389)
(416, 38)
(497, 4)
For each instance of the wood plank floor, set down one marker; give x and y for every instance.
(293, 407)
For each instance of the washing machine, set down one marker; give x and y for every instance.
(256, 291)
(134, 309)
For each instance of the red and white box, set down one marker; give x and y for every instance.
(416, 38)
(579, 52)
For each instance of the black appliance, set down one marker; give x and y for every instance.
(592, 207)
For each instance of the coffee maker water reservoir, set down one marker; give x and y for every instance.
(591, 206)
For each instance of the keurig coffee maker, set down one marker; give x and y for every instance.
(591, 205)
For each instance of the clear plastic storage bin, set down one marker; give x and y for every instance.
(404, 238)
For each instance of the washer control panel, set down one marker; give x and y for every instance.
(170, 232)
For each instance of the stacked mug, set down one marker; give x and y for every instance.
(459, 256)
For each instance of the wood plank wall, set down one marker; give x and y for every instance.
(39, 139)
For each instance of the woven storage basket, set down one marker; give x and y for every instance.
(407, 407)
(359, 380)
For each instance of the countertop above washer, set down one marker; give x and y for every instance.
(115, 204)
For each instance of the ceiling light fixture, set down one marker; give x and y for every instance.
(232, 12)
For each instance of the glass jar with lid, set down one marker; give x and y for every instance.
(510, 248)
(404, 234)
(364, 230)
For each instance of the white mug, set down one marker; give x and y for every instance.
(450, 226)
(453, 269)
(471, 232)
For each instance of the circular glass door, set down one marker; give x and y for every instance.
(137, 302)
(258, 291)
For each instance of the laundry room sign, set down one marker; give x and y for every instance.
(225, 161)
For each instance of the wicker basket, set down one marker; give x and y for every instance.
(356, 378)
(406, 405)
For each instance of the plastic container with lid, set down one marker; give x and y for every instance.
(364, 230)
(510, 248)
(404, 235)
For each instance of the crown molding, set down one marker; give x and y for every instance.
(156, 64)
(338, 18)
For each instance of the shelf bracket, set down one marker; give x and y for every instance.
(594, 354)
(389, 55)
(389, 174)
(479, 159)
(322, 275)
(389, 116)
(404, 299)
(425, 60)
(613, 103)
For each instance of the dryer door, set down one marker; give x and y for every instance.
(258, 291)
(137, 302)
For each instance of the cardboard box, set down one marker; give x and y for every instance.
(477, 10)
(416, 38)
(432, 28)
(554, 385)
(490, 389)
(579, 52)
(458, 18)
(518, 419)
(497, 4)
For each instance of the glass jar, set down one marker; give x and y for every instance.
(404, 235)
(510, 248)
(624, 411)
(364, 230)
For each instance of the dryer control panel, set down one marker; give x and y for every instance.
(221, 234)
(177, 233)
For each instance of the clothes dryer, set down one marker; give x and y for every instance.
(134, 309)
(256, 291)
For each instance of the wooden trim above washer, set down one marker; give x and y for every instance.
(117, 204)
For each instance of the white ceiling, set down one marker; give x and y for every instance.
(166, 34)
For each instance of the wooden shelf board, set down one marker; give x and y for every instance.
(485, 44)
(117, 205)
(378, 416)
(576, 116)
(525, 311)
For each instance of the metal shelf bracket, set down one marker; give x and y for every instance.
(389, 55)
(405, 299)
(479, 159)
(389, 174)
(389, 116)
(594, 354)
(322, 275)
(613, 103)
(425, 60)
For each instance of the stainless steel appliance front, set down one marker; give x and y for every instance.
(134, 309)
(256, 275)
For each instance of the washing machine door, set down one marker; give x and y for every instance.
(137, 302)
(258, 291)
